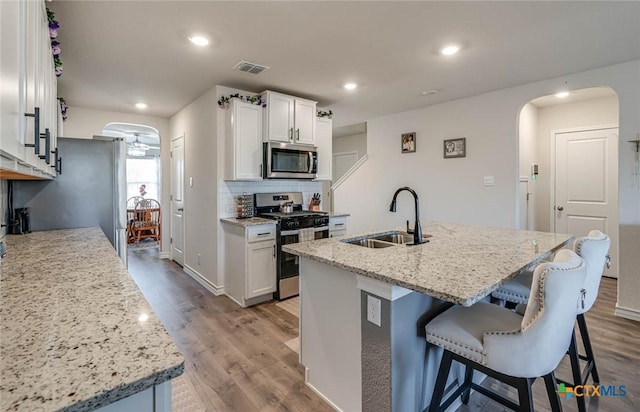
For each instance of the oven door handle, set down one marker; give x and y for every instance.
(321, 228)
(289, 232)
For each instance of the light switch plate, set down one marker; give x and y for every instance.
(489, 181)
(190, 181)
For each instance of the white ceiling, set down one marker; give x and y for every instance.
(118, 53)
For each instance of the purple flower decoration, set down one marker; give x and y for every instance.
(55, 48)
(53, 29)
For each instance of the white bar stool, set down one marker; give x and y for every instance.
(594, 249)
(509, 347)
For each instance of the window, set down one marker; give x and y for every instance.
(143, 171)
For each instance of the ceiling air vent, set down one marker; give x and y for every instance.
(248, 67)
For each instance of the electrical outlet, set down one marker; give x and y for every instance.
(199, 258)
(373, 310)
(190, 181)
(489, 181)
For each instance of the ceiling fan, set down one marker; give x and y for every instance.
(137, 148)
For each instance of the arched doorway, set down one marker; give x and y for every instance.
(143, 172)
(568, 164)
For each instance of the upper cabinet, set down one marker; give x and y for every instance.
(289, 119)
(29, 105)
(324, 142)
(243, 128)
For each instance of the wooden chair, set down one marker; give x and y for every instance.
(147, 220)
(131, 216)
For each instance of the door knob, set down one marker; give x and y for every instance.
(560, 208)
(180, 209)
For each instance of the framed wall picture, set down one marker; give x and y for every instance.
(455, 148)
(408, 142)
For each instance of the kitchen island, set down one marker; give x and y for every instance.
(76, 332)
(380, 364)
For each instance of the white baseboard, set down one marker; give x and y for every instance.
(216, 290)
(165, 255)
(627, 313)
(324, 398)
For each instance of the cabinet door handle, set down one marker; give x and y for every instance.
(47, 145)
(263, 234)
(291, 134)
(298, 135)
(60, 165)
(180, 209)
(274, 251)
(339, 224)
(260, 170)
(36, 130)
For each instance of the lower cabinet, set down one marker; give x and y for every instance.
(250, 263)
(337, 226)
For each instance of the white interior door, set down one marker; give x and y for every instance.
(586, 178)
(177, 200)
(342, 162)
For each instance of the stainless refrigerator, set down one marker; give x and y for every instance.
(90, 191)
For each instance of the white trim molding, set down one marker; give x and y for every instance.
(216, 290)
(310, 386)
(165, 255)
(627, 313)
(381, 289)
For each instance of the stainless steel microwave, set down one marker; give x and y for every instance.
(289, 161)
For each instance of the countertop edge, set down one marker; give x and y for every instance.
(248, 222)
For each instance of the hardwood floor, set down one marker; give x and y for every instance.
(236, 359)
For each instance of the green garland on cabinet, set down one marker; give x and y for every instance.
(328, 114)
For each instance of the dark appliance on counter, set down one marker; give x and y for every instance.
(289, 161)
(18, 220)
(292, 227)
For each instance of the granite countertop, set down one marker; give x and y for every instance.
(76, 333)
(460, 264)
(249, 221)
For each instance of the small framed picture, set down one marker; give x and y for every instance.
(408, 142)
(455, 148)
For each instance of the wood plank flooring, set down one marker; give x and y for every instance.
(236, 359)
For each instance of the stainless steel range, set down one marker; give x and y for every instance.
(292, 227)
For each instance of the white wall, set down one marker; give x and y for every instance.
(356, 142)
(603, 111)
(197, 122)
(84, 123)
(452, 189)
(527, 148)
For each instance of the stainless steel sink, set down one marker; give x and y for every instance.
(384, 240)
(370, 243)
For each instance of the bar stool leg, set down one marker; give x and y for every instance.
(586, 341)
(525, 396)
(468, 377)
(551, 385)
(441, 381)
(576, 370)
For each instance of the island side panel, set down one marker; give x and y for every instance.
(376, 359)
(330, 333)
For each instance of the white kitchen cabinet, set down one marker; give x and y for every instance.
(250, 263)
(289, 119)
(243, 130)
(28, 79)
(337, 226)
(10, 69)
(324, 143)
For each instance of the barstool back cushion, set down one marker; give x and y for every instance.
(593, 248)
(538, 346)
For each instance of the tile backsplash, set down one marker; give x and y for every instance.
(229, 190)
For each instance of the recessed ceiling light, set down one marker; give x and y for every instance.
(350, 86)
(562, 95)
(199, 40)
(141, 105)
(450, 49)
(428, 92)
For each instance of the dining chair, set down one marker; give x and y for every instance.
(147, 223)
(507, 346)
(131, 217)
